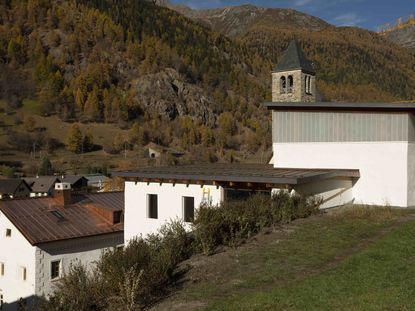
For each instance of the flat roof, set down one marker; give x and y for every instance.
(226, 174)
(332, 106)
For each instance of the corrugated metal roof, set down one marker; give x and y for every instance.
(238, 173)
(35, 220)
(333, 106)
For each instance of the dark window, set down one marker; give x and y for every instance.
(1, 269)
(290, 84)
(188, 209)
(8, 232)
(152, 206)
(55, 269)
(283, 85)
(24, 273)
(117, 217)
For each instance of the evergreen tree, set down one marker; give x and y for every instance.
(88, 142)
(45, 167)
(74, 140)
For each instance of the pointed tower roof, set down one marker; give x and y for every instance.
(294, 58)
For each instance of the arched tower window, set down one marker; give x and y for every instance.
(283, 85)
(290, 84)
(309, 85)
(307, 81)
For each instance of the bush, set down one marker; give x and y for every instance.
(234, 221)
(126, 279)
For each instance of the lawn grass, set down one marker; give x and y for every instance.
(348, 261)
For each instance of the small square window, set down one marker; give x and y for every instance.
(117, 217)
(152, 206)
(188, 209)
(8, 232)
(55, 269)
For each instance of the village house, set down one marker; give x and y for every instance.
(41, 237)
(341, 152)
(41, 186)
(14, 188)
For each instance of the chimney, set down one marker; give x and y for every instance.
(63, 193)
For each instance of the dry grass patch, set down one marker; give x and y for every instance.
(366, 212)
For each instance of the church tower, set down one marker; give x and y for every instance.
(294, 79)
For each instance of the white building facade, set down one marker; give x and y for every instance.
(40, 239)
(375, 138)
(150, 205)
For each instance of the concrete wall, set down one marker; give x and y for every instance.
(170, 206)
(85, 250)
(16, 253)
(383, 166)
(299, 90)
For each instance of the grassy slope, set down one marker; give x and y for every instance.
(326, 263)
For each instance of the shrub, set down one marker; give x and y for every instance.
(234, 221)
(154, 259)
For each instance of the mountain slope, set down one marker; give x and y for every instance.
(403, 33)
(235, 21)
(352, 64)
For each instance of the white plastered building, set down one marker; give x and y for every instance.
(375, 138)
(40, 238)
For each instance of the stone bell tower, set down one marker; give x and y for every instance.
(294, 79)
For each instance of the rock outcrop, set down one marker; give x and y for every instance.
(166, 94)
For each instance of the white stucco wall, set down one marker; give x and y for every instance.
(170, 206)
(383, 166)
(85, 250)
(16, 253)
(411, 174)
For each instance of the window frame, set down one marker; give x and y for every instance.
(59, 261)
(185, 219)
(150, 214)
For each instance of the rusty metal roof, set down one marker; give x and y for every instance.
(42, 220)
(238, 173)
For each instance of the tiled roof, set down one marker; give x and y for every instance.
(294, 58)
(43, 220)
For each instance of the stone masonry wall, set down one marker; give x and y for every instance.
(298, 93)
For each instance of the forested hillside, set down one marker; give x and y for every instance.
(165, 78)
(137, 65)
